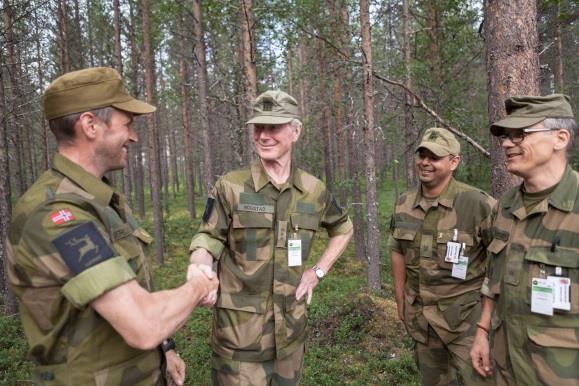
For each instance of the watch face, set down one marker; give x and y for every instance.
(319, 273)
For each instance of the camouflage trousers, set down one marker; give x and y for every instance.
(276, 372)
(447, 364)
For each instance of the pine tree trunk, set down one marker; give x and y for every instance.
(374, 280)
(250, 77)
(202, 86)
(153, 137)
(409, 131)
(325, 117)
(512, 59)
(63, 35)
(185, 120)
(10, 307)
(137, 149)
(559, 78)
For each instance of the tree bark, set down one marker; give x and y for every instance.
(202, 86)
(409, 131)
(63, 34)
(512, 60)
(250, 77)
(153, 137)
(137, 149)
(325, 118)
(559, 78)
(10, 307)
(374, 280)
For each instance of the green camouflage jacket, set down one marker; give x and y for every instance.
(431, 295)
(72, 238)
(246, 227)
(541, 349)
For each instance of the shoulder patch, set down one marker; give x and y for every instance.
(82, 247)
(61, 216)
(208, 209)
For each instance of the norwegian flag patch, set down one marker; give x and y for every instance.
(61, 216)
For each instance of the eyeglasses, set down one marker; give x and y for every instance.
(518, 136)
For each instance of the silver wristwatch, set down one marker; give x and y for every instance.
(319, 272)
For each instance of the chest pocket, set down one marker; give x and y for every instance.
(252, 235)
(542, 258)
(444, 236)
(129, 243)
(307, 225)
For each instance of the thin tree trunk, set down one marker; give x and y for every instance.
(78, 38)
(325, 118)
(202, 82)
(153, 135)
(185, 120)
(137, 149)
(10, 307)
(409, 131)
(559, 78)
(250, 78)
(119, 67)
(63, 34)
(512, 60)
(374, 280)
(353, 141)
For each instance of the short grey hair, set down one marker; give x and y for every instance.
(296, 123)
(568, 124)
(63, 127)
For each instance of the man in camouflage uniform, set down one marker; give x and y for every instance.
(259, 225)
(533, 276)
(439, 234)
(75, 257)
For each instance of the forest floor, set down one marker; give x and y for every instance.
(355, 337)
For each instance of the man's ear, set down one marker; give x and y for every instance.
(454, 162)
(562, 139)
(297, 132)
(86, 123)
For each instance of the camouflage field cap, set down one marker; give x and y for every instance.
(90, 89)
(440, 142)
(528, 110)
(274, 108)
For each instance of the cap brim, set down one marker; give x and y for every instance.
(514, 123)
(269, 120)
(436, 149)
(135, 106)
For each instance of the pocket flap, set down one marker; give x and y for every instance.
(256, 304)
(461, 300)
(562, 257)
(404, 234)
(252, 220)
(554, 337)
(305, 221)
(445, 236)
(496, 246)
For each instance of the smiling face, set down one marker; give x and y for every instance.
(274, 142)
(111, 147)
(530, 156)
(434, 172)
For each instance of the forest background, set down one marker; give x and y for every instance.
(369, 76)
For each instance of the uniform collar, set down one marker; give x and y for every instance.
(563, 197)
(261, 178)
(74, 172)
(446, 198)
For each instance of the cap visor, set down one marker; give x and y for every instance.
(269, 120)
(514, 123)
(135, 106)
(437, 150)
